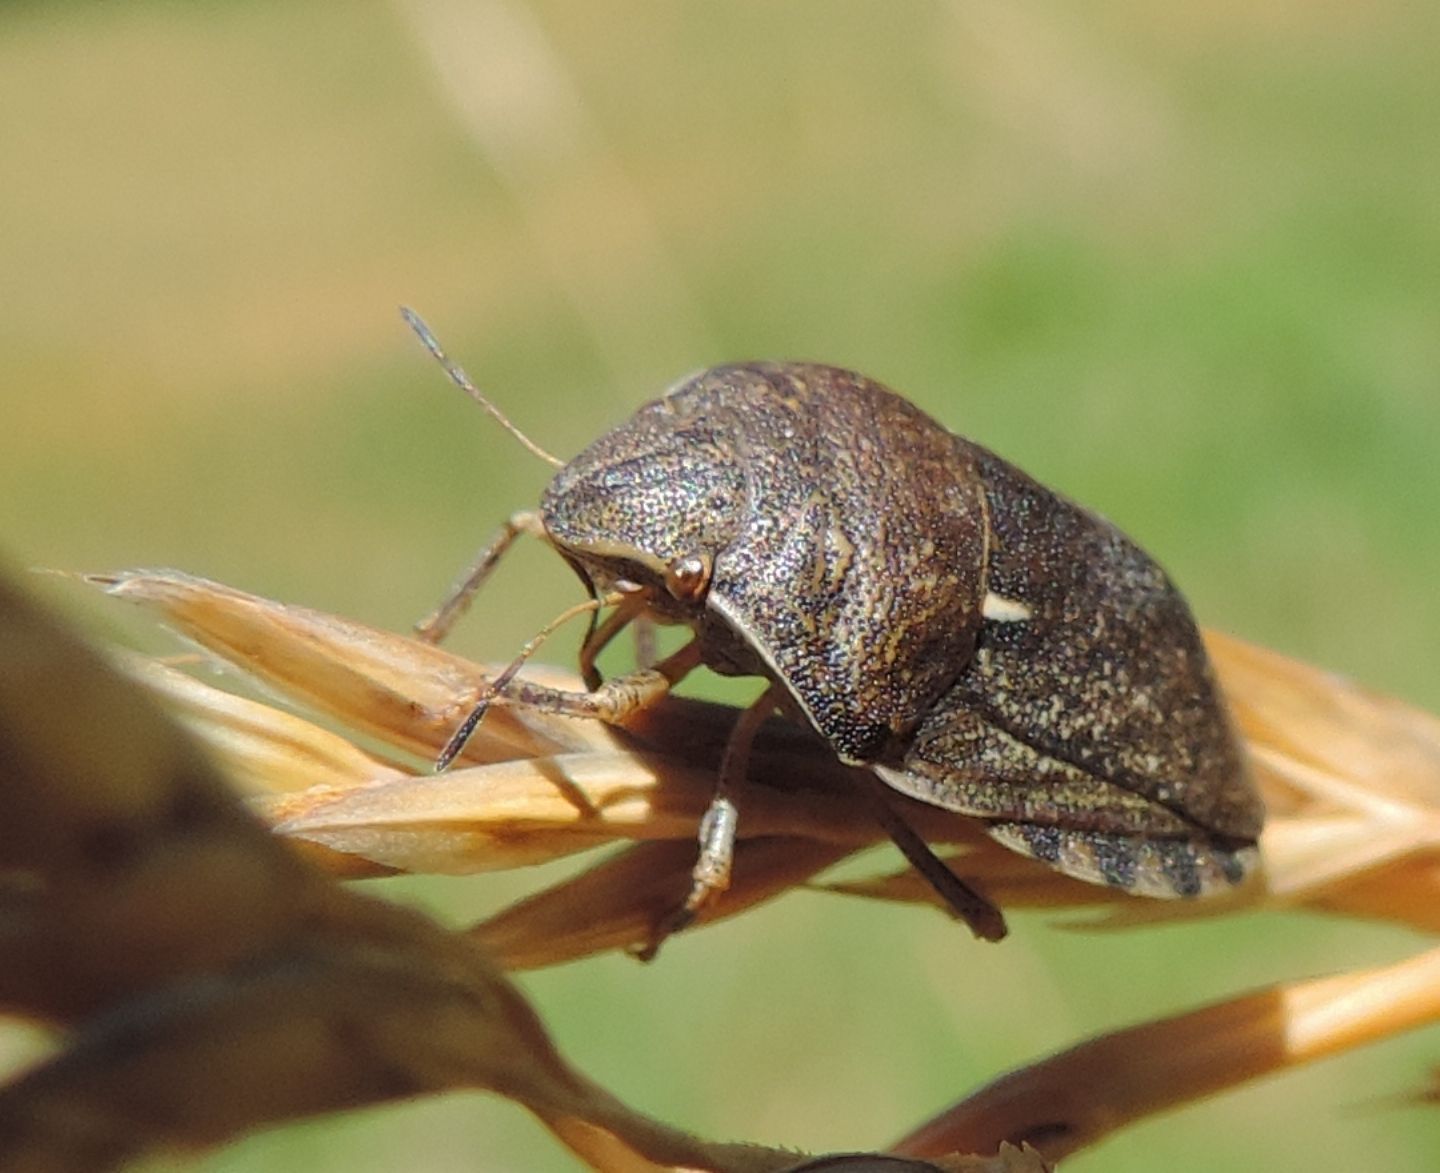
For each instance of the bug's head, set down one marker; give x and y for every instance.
(652, 502)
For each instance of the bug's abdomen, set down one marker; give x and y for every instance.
(1092, 733)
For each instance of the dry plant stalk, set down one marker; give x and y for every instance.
(1352, 782)
(1075, 1098)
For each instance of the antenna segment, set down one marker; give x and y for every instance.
(462, 380)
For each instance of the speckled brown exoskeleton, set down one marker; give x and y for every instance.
(979, 642)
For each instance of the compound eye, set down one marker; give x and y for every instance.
(688, 578)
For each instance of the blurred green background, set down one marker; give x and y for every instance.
(1182, 262)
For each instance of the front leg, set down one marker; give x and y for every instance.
(614, 701)
(630, 611)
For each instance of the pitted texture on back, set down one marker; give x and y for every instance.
(1107, 681)
(852, 543)
(847, 529)
(857, 570)
(665, 483)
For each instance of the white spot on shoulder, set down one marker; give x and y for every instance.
(999, 609)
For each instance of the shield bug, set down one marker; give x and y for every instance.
(976, 640)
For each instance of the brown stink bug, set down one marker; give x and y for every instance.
(979, 642)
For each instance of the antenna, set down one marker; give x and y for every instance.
(462, 380)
